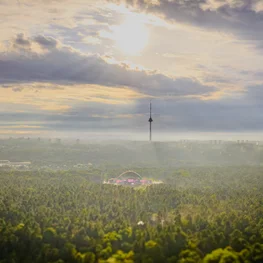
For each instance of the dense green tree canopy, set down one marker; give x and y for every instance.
(204, 214)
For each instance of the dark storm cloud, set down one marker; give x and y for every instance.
(63, 65)
(237, 16)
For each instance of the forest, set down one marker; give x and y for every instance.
(208, 214)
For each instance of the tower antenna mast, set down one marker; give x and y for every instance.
(150, 121)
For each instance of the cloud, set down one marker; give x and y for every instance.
(91, 40)
(228, 115)
(242, 112)
(21, 41)
(41, 15)
(244, 18)
(61, 98)
(255, 93)
(46, 42)
(17, 89)
(72, 90)
(64, 65)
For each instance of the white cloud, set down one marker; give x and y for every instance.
(91, 40)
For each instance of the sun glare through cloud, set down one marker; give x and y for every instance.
(131, 36)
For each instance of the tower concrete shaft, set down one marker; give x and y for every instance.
(150, 121)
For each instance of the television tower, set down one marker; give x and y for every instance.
(150, 121)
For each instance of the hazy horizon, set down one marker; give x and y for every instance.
(144, 137)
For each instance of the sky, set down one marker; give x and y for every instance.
(70, 68)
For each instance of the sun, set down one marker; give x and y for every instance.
(131, 37)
